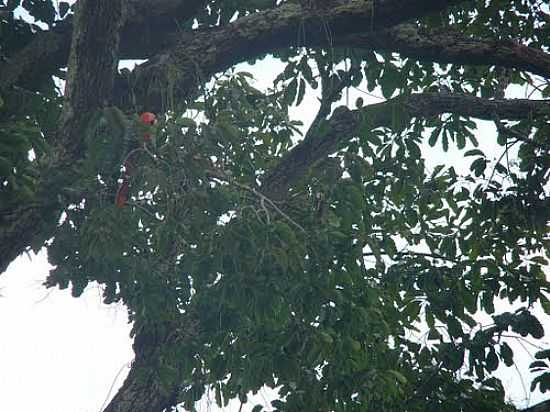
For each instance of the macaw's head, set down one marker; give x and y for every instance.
(148, 118)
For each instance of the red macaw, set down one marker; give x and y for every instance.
(122, 193)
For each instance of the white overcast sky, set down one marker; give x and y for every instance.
(62, 354)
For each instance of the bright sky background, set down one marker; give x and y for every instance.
(61, 354)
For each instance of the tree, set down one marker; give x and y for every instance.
(249, 254)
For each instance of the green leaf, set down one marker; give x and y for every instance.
(301, 92)
(538, 365)
(460, 140)
(434, 135)
(356, 197)
(40, 9)
(285, 232)
(506, 354)
(454, 327)
(543, 381)
(492, 360)
(545, 303)
(540, 260)
(445, 140)
(474, 152)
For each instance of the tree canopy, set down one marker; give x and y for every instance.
(252, 250)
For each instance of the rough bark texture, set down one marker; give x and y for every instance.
(174, 75)
(92, 64)
(151, 24)
(155, 27)
(450, 46)
(20, 228)
(142, 390)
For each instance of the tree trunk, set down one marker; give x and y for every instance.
(143, 390)
(92, 67)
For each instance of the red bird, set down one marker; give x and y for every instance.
(121, 196)
(150, 119)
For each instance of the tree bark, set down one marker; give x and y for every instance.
(543, 406)
(149, 25)
(153, 28)
(143, 389)
(174, 75)
(451, 46)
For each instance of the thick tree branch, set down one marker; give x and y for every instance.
(151, 25)
(343, 124)
(451, 46)
(175, 74)
(142, 390)
(47, 52)
(93, 61)
(543, 406)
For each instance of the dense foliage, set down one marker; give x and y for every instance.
(359, 287)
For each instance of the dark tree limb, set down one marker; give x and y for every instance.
(175, 74)
(46, 53)
(143, 389)
(92, 66)
(343, 124)
(192, 56)
(543, 406)
(150, 25)
(154, 25)
(451, 46)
